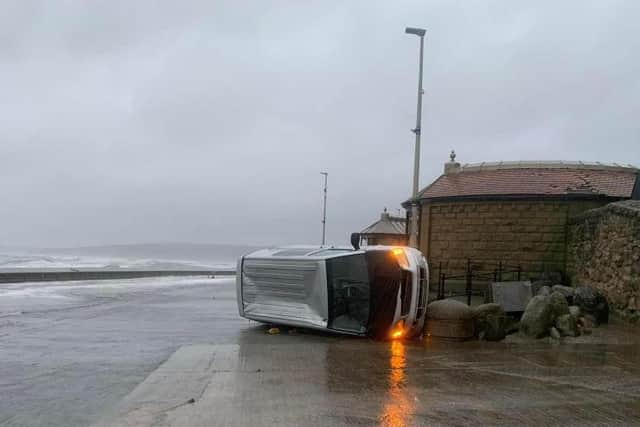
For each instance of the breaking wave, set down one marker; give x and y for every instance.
(40, 262)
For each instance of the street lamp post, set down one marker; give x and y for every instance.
(324, 207)
(413, 236)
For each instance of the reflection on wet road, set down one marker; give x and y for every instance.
(399, 404)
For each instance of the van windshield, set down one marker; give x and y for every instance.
(349, 293)
(363, 291)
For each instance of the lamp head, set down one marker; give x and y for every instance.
(417, 31)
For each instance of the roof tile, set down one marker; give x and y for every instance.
(533, 181)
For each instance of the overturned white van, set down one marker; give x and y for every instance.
(379, 291)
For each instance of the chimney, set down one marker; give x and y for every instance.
(385, 215)
(451, 166)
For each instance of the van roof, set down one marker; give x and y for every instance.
(306, 252)
(301, 252)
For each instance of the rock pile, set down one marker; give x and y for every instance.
(567, 325)
(566, 291)
(592, 304)
(489, 322)
(556, 311)
(538, 317)
(563, 311)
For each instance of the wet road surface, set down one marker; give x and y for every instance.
(177, 354)
(315, 380)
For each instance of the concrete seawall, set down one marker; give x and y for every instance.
(66, 275)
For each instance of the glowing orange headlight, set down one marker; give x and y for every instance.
(401, 256)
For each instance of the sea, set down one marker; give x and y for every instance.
(154, 256)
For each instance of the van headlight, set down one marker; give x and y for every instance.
(401, 257)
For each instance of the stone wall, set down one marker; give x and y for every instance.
(529, 233)
(604, 251)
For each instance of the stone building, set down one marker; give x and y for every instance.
(604, 251)
(388, 230)
(513, 212)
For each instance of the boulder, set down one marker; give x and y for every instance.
(566, 291)
(548, 278)
(559, 304)
(538, 317)
(575, 311)
(536, 286)
(567, 326)
(486, 309)
(593, 303)
(449, 309)
(449, 319)
(545, 290)
(490, 322)
(555, 334)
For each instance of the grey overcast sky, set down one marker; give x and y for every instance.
(209, 122)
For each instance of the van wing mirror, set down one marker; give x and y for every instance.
(355, 240)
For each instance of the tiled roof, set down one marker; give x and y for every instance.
(387, 224)
(534, 179)
(547, 164)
